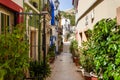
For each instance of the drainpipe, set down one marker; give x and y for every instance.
(39, 36)
(44, 38)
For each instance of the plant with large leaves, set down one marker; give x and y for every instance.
(86, 56)
(74, 47)
(102, 50)
(13, 54)
(39, 69)
(106, 40)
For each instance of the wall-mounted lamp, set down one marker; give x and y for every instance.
(56, 4)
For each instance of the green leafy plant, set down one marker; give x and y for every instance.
(86, 56)
(106, 39)
(39, 69)
(104, 46)
(88, 33)
(60, 48)
(68, 36)
(51, 54)
(74, 48)
(13, 54)
(51, 51)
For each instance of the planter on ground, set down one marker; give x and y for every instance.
(93, 76)
(52, 59)
(51, 54)
(76, 60)
(87, 76)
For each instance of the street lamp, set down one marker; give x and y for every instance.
(56, 4)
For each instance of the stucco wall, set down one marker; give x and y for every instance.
(118, 16)
(83, 5)
(106, 9)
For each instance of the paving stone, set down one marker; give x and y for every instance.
(64, 69)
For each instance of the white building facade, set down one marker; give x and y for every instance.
(66, 27)
(88, 12)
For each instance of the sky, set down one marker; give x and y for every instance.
(65, 4)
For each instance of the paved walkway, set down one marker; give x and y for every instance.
(64, 69)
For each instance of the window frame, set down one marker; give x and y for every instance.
(6, 22)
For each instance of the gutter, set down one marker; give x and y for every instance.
(89, 9)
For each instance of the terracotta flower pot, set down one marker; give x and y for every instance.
(87, 76)
(73, 59)
(76, 60)
(52, 59)
(94, 78)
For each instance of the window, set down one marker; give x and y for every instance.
(5, 23)
(86, 20)
(92, 16)
(80, 35)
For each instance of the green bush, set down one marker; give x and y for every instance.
(39, 69)
(86, 56)
(74, 48)
(106, 37)
(51, 51)
(13, 54)
(104, 46)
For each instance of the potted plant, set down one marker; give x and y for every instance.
(51, 54)
(76, 57)
(106, 40)
(102, 50)
(60, 48)
(93, 76)
(74, 50)
(38, 70)
(86, 62)
(87, 59)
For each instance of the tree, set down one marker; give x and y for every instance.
(69, 16)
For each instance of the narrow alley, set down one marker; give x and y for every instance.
(59, 39)
(64, 68)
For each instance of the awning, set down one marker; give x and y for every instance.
(10, 4)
